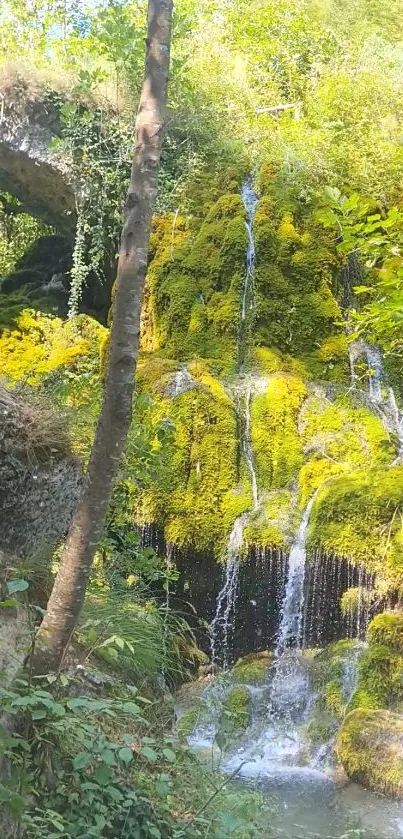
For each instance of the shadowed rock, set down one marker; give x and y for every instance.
(29, 169)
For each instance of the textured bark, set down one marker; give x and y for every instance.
(66, 600)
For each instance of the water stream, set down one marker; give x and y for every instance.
(221, 624)
(250, 200)
(290, 631)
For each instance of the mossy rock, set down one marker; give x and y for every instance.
(192, 718)
(252, 669)
(354, 518)
(320, 729)
(380, 670)
(387, 629)
(370, 747)
(327, 678)
(235, 717)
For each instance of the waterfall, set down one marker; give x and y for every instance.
(385, 404)
(247, 447)
(222, 624)
(223, 620)
(250, 201)
(375, 368)
(290, 630)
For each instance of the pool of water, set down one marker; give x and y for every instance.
(309, 805)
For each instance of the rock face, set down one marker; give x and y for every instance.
(370, 748)
(39, 477)
(29, 169)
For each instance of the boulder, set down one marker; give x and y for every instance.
(370, 747)
(39, 476)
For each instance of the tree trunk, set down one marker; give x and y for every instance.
(67, 597)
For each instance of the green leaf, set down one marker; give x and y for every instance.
(131, 708)
(38, 715)
(108, 757)
(149, 754)
(17, 585)
(102, 775)
(125, 754)
(169, 755)
(82, 760)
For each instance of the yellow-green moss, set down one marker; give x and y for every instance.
(296, 309)
(338, 438)
(252, 669)
(271, 524)
(275, 438)
(380, 672)
(194, 286)
(357, 516)
(369, 745)
(197, 494)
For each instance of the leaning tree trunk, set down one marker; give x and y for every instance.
(66, 600)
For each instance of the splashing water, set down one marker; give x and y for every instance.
(222, 622)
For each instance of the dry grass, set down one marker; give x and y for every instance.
(32, 425)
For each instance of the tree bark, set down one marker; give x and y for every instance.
(67, 597)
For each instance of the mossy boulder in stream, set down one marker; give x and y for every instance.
(192, 718)
(332, 678)
(370, 748)
(252, 669)
(235, 716)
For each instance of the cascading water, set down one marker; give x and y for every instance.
(221, 624)
(250, 201)
(220, 627)
(289, 692)
(290, 631)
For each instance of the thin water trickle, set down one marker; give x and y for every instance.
(375, 372)
(226, 599)
(380, 394)
(250, 200)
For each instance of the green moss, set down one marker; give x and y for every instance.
(270, 526)
(237, 708)
(327, 677)
(198, 492)
(296, 309)
(192, 718)
(194, 286)
(357, 516)
(252, 669)
(275, 438)
(320, 729)
(338, 437)
(387, 629)
(380, 672)
(369, 745)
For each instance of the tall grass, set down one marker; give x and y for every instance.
(135, 637)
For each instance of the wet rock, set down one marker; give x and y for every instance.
(252, 669)
(370, 748)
